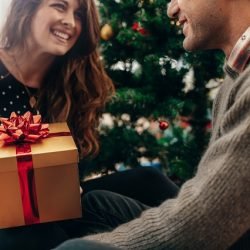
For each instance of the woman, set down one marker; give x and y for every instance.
(49, 47)
(49, 63)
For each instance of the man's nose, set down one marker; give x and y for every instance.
(173, 9)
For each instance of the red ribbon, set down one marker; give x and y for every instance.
(27, 184)
(23, 130)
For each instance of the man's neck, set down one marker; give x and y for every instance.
(237, 23)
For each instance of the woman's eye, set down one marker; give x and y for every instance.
(78, 15)
(59, 6)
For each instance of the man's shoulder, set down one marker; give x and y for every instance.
(246, 72)
(243, 82)
(244, 76)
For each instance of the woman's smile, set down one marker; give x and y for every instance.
(62, 36)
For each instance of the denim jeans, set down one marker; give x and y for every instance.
(145, 184)
(105, 211)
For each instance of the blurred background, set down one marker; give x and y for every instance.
(156, 80)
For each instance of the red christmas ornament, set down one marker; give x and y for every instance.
(143, 32)
(163, 125)
(137, 27)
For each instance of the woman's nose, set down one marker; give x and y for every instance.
(69, 20)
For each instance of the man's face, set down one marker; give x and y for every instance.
(203, 22)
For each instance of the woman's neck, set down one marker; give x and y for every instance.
(29, 68)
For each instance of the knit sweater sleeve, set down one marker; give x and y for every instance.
(212, 209)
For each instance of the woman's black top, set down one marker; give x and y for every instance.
(13, 95)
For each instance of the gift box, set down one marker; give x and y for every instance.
(41, 185)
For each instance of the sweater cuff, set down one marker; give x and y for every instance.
(101, 237)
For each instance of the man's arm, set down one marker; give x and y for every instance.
(212, 209)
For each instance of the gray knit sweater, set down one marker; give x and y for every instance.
(212, 209)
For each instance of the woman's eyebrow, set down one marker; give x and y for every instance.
(62, 1)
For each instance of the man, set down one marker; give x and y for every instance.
(212, 210)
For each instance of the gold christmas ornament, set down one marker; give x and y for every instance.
(106, 32)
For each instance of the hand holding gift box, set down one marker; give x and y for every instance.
(38, 177)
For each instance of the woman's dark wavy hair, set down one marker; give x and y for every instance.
(76, 88)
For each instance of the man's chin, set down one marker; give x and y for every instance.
(194, 44)
(189, 45)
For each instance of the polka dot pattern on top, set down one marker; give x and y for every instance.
(13, 95)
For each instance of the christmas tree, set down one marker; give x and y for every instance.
(156, 81)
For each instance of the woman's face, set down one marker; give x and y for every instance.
(55, 27)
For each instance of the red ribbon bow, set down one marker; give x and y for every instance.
(24, 128)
